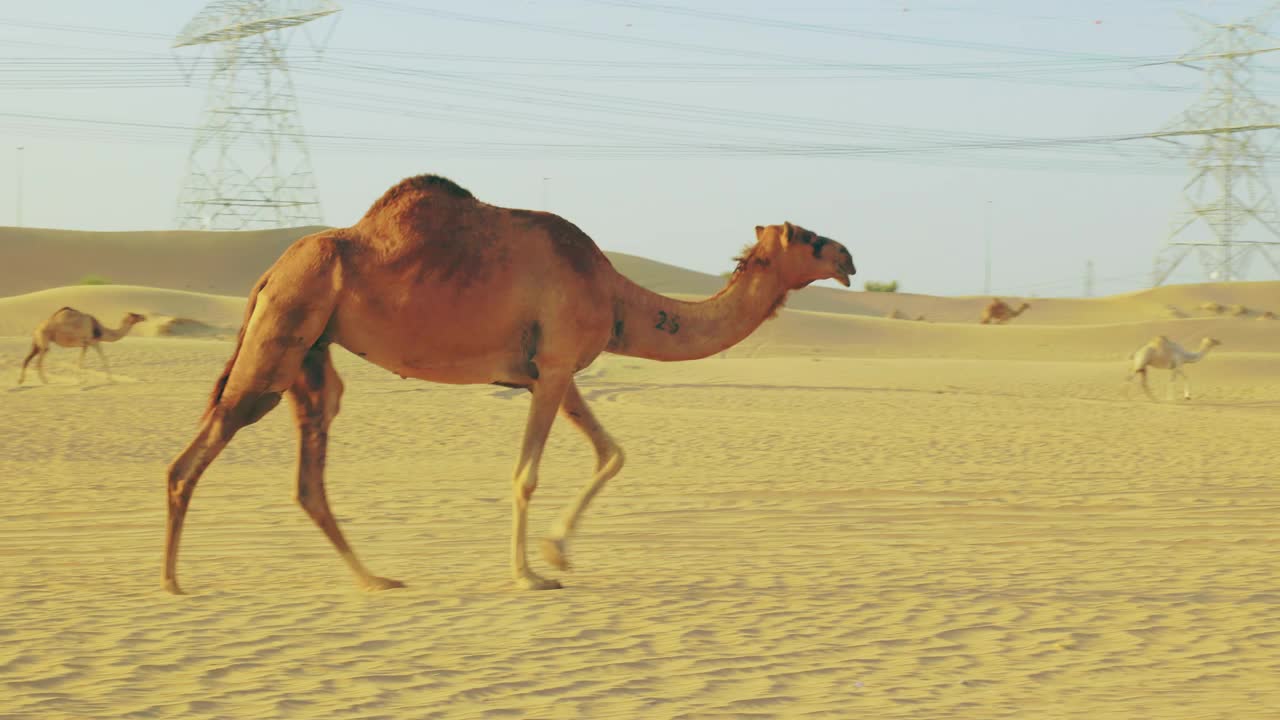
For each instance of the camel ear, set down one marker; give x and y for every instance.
(759, 233)
(788, 232)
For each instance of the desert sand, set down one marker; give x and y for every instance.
(845, 516)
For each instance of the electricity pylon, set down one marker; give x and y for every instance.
(1228, 189)
(249, 167)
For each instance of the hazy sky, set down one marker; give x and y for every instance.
(668, 133)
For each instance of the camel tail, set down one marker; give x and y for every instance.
(218, 387)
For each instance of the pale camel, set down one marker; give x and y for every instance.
(70, 328)
(1000, 311)
(433, 284)
(1161, 352)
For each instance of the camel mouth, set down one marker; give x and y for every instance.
(843, 272)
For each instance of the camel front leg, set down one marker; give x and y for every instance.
(1186, 384)
(216, 430)
(98, 347)
(22, 374)
(548, 392)
(609, 460)
(316, 396)
(84, 349)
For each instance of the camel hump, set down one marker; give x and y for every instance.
(421, 184)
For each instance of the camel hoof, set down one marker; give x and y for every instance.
(555, 553)
(375, 584)
(171, 587)
(535, 582)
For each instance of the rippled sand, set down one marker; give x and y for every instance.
(797, 533)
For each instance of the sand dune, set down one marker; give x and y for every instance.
(169, 312)
(227, 263)
(212, 262)
(845, 516)
(794, 333)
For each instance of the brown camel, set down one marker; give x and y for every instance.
(70, 328)
(436, 285)
(1000, 312)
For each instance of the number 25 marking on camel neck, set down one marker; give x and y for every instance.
(670, 324)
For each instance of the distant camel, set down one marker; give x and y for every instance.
(434, 284)
(1164, 353)
(70, 328)
(999, 311)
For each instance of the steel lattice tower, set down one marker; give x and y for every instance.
(1229, 186)
(249, 167)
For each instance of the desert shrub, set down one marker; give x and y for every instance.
(92, 279)
(875, 286)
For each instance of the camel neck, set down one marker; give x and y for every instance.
(657, 327)
(114, 334)
(1199, 352)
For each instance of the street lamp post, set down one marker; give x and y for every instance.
(18, 200)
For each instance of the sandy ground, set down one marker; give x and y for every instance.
(845, 517)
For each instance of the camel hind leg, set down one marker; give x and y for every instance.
(1142, 379)
(548, 393)
(316, 396)
(609, 460)
(291, 312)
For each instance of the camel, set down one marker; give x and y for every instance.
(70, 328)
(1000, 311)
(1161, 352)
(433, 284)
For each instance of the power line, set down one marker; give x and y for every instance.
(828, 29)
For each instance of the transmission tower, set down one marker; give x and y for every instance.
(1235, 127)
(249, 167)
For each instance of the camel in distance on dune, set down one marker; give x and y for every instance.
(1000, 312)
(71, 328)
(434, 284)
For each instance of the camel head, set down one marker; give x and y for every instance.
(1024, 307)
(1209, 342)
(800, 256)
(132, 318)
